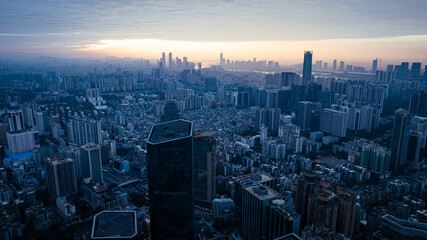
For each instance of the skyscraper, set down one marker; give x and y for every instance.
(341, 65)
(16, 120)
(307, 184)
(221, 60)
(170, 66)
(204, 166)
(415, 70)
(418, 103)
(170, 112)
(171, 180)
(304, 114)
(91, 163)
(61, 176)
(306, 71)
(82, 131)
(280, 220)
(400, 140)
(42, 122)
(334, 64)
(374, 66)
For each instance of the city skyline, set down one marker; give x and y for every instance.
(351, 31)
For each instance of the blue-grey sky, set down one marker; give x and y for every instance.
(58, 27)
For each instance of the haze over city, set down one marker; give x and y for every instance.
(355, 31)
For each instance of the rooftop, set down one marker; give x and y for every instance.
(114, 224)
(170, 130)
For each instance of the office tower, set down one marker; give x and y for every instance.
(42, 122)
(318, 65)
(341, 65)
(185, 62)
(61, 176)
(163, 61)
(375, 157)
(298, 94)
(400, 140)
(204, 166)
(325, 65)
(253, 193)
(170, 112)
(91, 163)
(22, 141)
(349, 68)
(269, 117)
(306, 71)
(333, 122)
(199, 66)
(171, 180)
(272, 99)
(307, 184)
(82, 131)
(16, 120)
(304, 114)
(178, 64)
(417, 147)
(284, 98)
(418, 103)
(287, 79)
(403, 71)
(170, 66)
(334, 64)
(313, 90)
(374, 66)
(221, 60)
(242, 99)
(281, 220)
(415, 70)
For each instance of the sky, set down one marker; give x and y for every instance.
(281, 30)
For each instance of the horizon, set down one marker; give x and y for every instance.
(276, 30)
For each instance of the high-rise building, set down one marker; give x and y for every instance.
(403, 70)
(304, 114)
(163, 61)
(23, 141)
(325, 66)
(418, 103)
(221, 60)
(375, 157)
(82, 131)
(333, 122)
(417, 147)
(323, 209)
(281, 220)
(251, 198)
(42, 122)
(170, 66)
(415, 70)
(374, 66)
(170, 112)
(204, 166)
(61, 176)
(242, 99)
(171, 180)
(307, 184)
(400, 140)
(341, 65)
(307, 67)
(269, 117)
(91, 163)
(16, 120)
(334, 64)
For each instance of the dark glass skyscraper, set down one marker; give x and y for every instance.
(306, 71)
(170, 112)
(400, 140)
(170, 180)
(204, 166)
